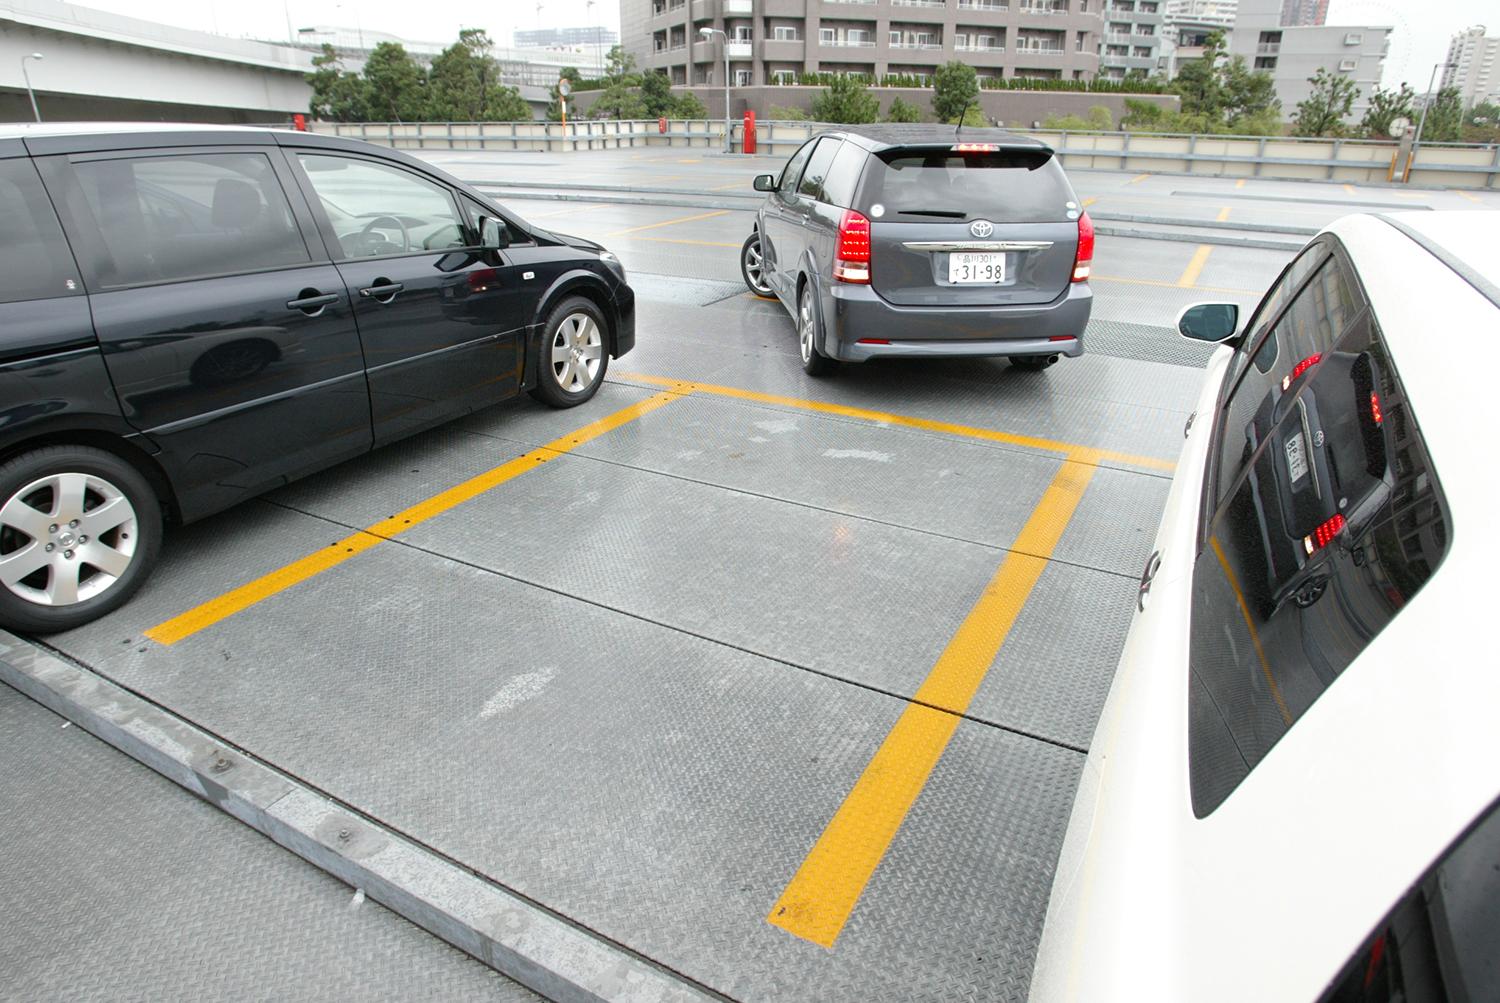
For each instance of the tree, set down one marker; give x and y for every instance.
(1099, 120)
(394, 86)
(464, 84)
(618, 100)
(618, 65)
(903, 111)
(955, 86)
(1250, 106)
(1482, 123)
(1322, 112)
(1199, 84)
(846, 101)
(337, 94)
(1385, 107)
(777, 113)
(1445, 118)
(687, 106)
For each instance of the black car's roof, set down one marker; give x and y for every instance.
(891, 135)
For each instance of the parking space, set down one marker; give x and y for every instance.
(782, 684)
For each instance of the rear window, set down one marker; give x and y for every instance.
(34, 260)
(1007, 186)
(1331, 517)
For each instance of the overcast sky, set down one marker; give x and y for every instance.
(1420, 40)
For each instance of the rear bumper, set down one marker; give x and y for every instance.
(947, 331)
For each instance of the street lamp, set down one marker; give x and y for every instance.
(1416, 141)
(27, 77)
(709, 33)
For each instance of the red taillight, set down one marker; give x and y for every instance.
(1061, 337)
(976, 148)
(873, 341)
(1299, 369)
(852, 262)
(1375, 409)
(1323, 535)
(1083, 259)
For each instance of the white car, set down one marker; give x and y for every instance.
(1292, 790)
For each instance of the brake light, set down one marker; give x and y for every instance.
(1375, 409)
(976, 148)
(1323, 535)
(852, 262)
(1083, 258)
(1299, 369)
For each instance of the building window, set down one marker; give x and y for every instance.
(960, 40)
(827, 36)
(785, 33)
(896, 38)
(742, 78)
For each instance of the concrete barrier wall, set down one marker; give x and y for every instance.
(1351, 161)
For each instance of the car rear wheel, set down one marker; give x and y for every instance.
(574, 354)
(814, 362)
(80, 530)
(1032, 363)
(753, 266)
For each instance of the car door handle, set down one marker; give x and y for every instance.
(383, 291)
(1153, 565)
(312, 302)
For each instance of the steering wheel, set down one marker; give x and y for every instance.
(405, 236)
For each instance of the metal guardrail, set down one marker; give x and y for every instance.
(1280, 157)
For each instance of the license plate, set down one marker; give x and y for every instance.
(966, 268)
(1296, 458)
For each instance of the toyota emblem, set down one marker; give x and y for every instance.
(981, 228)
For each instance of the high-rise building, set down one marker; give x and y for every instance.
(551, 38)
(1212, 12)
(1304, 13)
(1475, 69)
(1292, 54)
(773, 41)
(1132, 37)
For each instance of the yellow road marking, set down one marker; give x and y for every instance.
(690, 161)
(670, 222)
(1138, 177)
(1189, 277)
(1172, 285)
(732, 184)
(823, 893)
(1265, 666)
(209, 613)
(1223, 214)
(674, 240)
(906, 421)
(1090, 201)
(1471, 198)
(1240, 183)
(1350, 189)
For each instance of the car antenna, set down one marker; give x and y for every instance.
(963, 116)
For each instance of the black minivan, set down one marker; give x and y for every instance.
(192, 315)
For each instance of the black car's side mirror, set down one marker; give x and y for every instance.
(765, 182)
(1212, 322)
(492, 234)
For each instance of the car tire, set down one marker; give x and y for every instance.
(1032, 363)
(814, 362)
(574, 354)
(753, 267)
(50, 499)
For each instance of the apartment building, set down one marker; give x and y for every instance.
(1304, 13)
(1475, 69)
(773, 41)
(1219, 13)
(1132, 37)
(1292, 53)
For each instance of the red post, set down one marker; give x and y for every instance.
(749, 144)
(661, 125)
(299, 122)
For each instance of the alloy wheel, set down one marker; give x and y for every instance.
(577, 348)
(66, 538)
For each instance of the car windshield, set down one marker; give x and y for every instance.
(1004, 186)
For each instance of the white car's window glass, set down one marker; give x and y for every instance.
(1337, 521)
(1307, 328)
(1270, 307)
(163, 219)
(843, 176)
(34, 259)
(817, 168)
(377, 210)
(792, 172)
(917, 185)
(1439, 943)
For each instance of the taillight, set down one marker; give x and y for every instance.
(1083, 258)
(1299, 369)
(1323, 535)
(1375, 409)
(852, 262)
(977, 148)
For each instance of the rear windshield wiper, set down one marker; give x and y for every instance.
(944, 213)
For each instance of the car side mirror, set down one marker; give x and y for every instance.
(765, 182)
(1211, 322)
(492, 234)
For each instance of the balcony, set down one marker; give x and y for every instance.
(985, 5)
(737, 49)
(738, 8)
(866, 3)
(1039, 50)
(846, 43)
(919, 3)
(916, 45)
(979, 48)
(1041, 9)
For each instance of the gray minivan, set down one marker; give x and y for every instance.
(909, 241)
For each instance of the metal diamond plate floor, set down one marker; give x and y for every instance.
(119, 885)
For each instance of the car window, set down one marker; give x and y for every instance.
(1439, 942)
(792, 172)
(843, 176)
(163, 219)
(35, 262)
(1292, 276)
(817, 168)
(1301, 334)
(473, 210)
(1003, 186)
(1336, 522)
(376, 209)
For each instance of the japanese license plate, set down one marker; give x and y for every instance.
(1296, 458)
(966, 267)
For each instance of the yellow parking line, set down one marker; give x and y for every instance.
(670, 222)
(1223, 214)
(1350, 189)
(1240, 183)
(1138, 177)
(1189, 277)
(823, 893)
(1265, 666)
(1471, 198)
(1096, 277)
(1090, 201)
(906, 421)
(732, 184)
(674, 240)
(214, 610)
